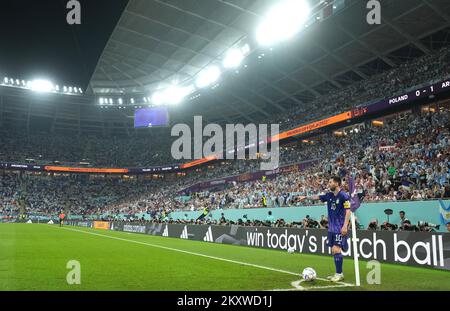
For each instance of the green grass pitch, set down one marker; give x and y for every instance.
(34, 257)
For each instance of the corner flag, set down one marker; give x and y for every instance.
(355, 203)
(355, 198)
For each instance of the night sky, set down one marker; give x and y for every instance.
(36, 41)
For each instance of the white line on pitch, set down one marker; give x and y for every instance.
(297, 287)
(186, 252)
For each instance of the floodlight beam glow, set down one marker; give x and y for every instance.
(208, 77)
(283, 21)
(42, 86)
(233, 59)
(172, 96)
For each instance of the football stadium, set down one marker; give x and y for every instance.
(295, 146)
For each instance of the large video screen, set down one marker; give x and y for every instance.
(151, 117)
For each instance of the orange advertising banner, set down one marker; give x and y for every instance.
(86, 170)
(198, 162)
(103, 225)
(314, 125)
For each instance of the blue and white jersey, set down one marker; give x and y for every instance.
(337, 207)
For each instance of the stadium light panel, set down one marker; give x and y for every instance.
(5, 80)
(157, 98)
(65, 89)
(233, 59)
(283, 21)
(70, 89)
(101, 100)
(245, 49)
(42, 86)
(132, 100)
(208, 77)
(111, 101)
(120, 101)
(174, 95)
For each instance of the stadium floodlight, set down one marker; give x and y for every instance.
(111, 101)
(245, 49)
(65, 89)
(132, 100)
(42, 86)
(208, 77)
(172, 95)
(81, 90)
(233, 59)
(101, 100)
(18, 82)
(5, 80)
(175, 94)
(120, 101)
(157, 98)
(70, 89)
(283, 21)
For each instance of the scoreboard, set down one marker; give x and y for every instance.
(404, 98)
(151, 117)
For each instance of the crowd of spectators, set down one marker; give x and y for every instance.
(408, 158)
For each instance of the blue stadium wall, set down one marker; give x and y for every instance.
(428, 211)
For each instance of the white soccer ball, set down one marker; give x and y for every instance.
(291, 250)
(309, 274)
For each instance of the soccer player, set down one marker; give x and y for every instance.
(338, 203)
(204, 214)
(61, 218)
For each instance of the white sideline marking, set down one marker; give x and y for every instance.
(186, 252)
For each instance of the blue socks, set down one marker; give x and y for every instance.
(338, 260)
